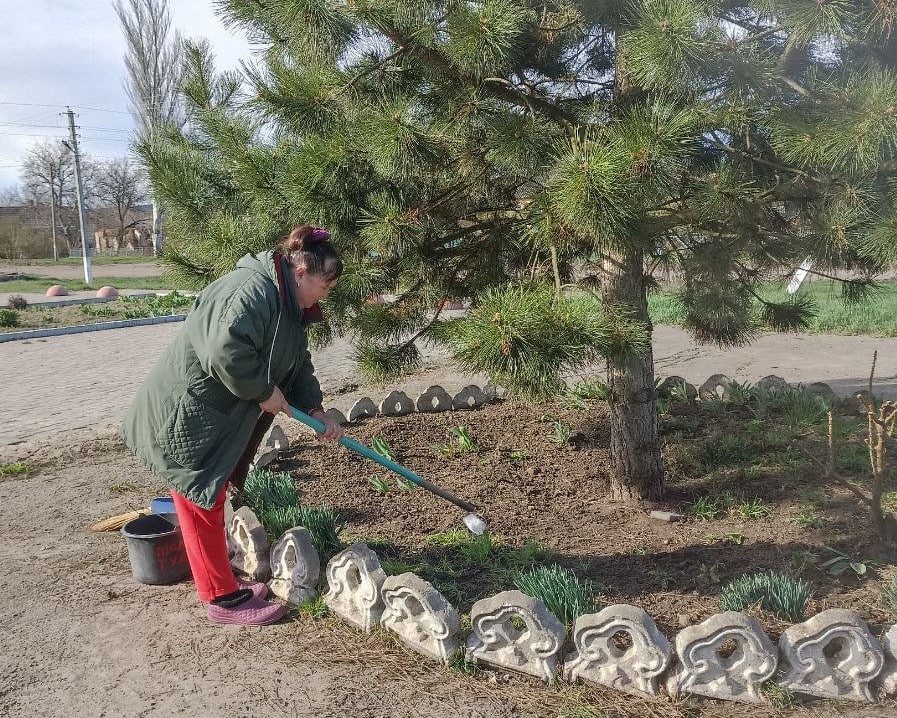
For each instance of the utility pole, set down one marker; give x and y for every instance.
(53, 211)
(82, 210)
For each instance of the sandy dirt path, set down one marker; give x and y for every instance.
(75, 271)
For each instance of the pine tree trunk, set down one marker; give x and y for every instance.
(635, 448)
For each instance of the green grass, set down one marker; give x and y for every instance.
(15, 468)
(878, 316)
(40, 284)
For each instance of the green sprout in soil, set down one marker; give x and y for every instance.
(519, 454)
(841, 562)
(461, 442)
(464, 663)
(778, 593)
(889, 594)
(562, 591)
(380, 486)
(704, 508)
(404, 484)
(808, 520)
(753, 509)
(378, 444)
(315, 608)
(15, 468)
(562, 433)
(590, 389)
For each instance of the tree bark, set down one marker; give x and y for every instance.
(635, 447)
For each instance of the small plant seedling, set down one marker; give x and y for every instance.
(121, 488)
(590, 389)
(708, 575)
(841, 562)
(519, 454)
(562, 433)
(704, 508)
(460, 442)
(679, 394)
(15, 468)
(315, 608)
(463, 662)
(404, 484)
(801, 560)
(378, 444)
(753, 509)
(808, 520)
(778, 696)
(380, 486)
(889, 594)
(734, 538)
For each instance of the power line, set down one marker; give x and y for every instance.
(57, 106)
(55, 127)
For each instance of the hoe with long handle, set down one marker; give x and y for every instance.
(472, 520)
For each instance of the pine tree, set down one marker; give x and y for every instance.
(549, 159)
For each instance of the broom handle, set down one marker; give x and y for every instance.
(383, 461)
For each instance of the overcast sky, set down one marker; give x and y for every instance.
(55, 53)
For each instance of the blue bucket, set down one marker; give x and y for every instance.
(162, 505)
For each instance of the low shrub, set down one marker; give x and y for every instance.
(9, 318)
(782, 595)
(17, 301)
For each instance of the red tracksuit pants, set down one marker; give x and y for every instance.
(204, 539)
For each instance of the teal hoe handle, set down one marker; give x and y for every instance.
(383, 461)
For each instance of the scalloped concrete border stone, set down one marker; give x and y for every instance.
(533, 650)
(470, 397)
(706, 669)
(707, 391)
(434, 399)
(888, 676)
(421, 617)
(336, 416)
(362, 407)
(249, 541)
(295, 567)
(354, 580)
(772, 383)
(831, 655)
(598, 659)
(665, 388)
(396, 403)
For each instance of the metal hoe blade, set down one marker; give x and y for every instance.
(475, 524)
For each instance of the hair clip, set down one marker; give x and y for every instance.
(319, 235)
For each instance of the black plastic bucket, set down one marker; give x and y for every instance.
(156, 549)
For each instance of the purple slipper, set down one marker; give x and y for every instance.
(259, 590)
(254, 612)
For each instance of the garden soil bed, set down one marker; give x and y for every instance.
(75, 315)
(556, 495)
(81, 638)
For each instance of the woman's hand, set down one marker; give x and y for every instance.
(332, 430)
(275, 403)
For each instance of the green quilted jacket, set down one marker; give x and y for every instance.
(195, 413)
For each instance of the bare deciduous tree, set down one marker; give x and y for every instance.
(153, 61)
(121, 186)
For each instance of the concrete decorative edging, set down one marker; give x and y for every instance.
(726, 657)
(81, 328)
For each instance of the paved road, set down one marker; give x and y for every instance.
(81, 383)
